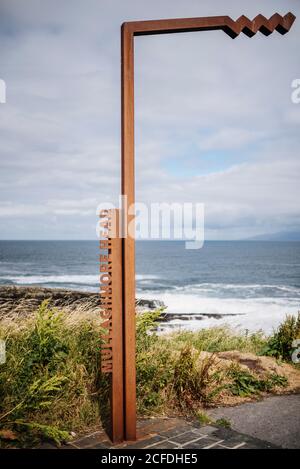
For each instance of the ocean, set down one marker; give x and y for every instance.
(246, 284)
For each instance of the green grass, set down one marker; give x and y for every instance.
(222, 339)
(223, 422)
(51, 385)
(51, 375)
(203, 418)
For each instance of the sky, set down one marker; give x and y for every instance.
(215, 123)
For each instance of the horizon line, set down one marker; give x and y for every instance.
(154, 240)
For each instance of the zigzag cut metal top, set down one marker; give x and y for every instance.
(282, 24)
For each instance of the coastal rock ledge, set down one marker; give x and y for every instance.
(22, 301)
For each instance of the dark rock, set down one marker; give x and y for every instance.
(149, 304)
(18, 301)
(168, 316)
(22, 301)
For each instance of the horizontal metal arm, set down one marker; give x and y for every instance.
(281, 24)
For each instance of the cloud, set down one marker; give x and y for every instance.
(229, 138)
(214, 118)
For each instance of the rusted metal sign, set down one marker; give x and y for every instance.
(112, 315)
(118, 281)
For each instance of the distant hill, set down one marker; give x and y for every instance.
(281, 236)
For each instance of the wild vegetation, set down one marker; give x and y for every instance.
(280, 344)
(50, 384)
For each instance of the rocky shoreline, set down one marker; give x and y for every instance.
(20, 301)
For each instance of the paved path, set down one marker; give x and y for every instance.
(271, 423)
(275, 419)
(169, 433)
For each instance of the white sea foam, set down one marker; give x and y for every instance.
(255, 306)
(250, 313)
(242, 288)
(62, 279)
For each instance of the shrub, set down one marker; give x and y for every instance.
(50, 379)
(279, 344)
(243, 383)
(196, 380)
(154, 364)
